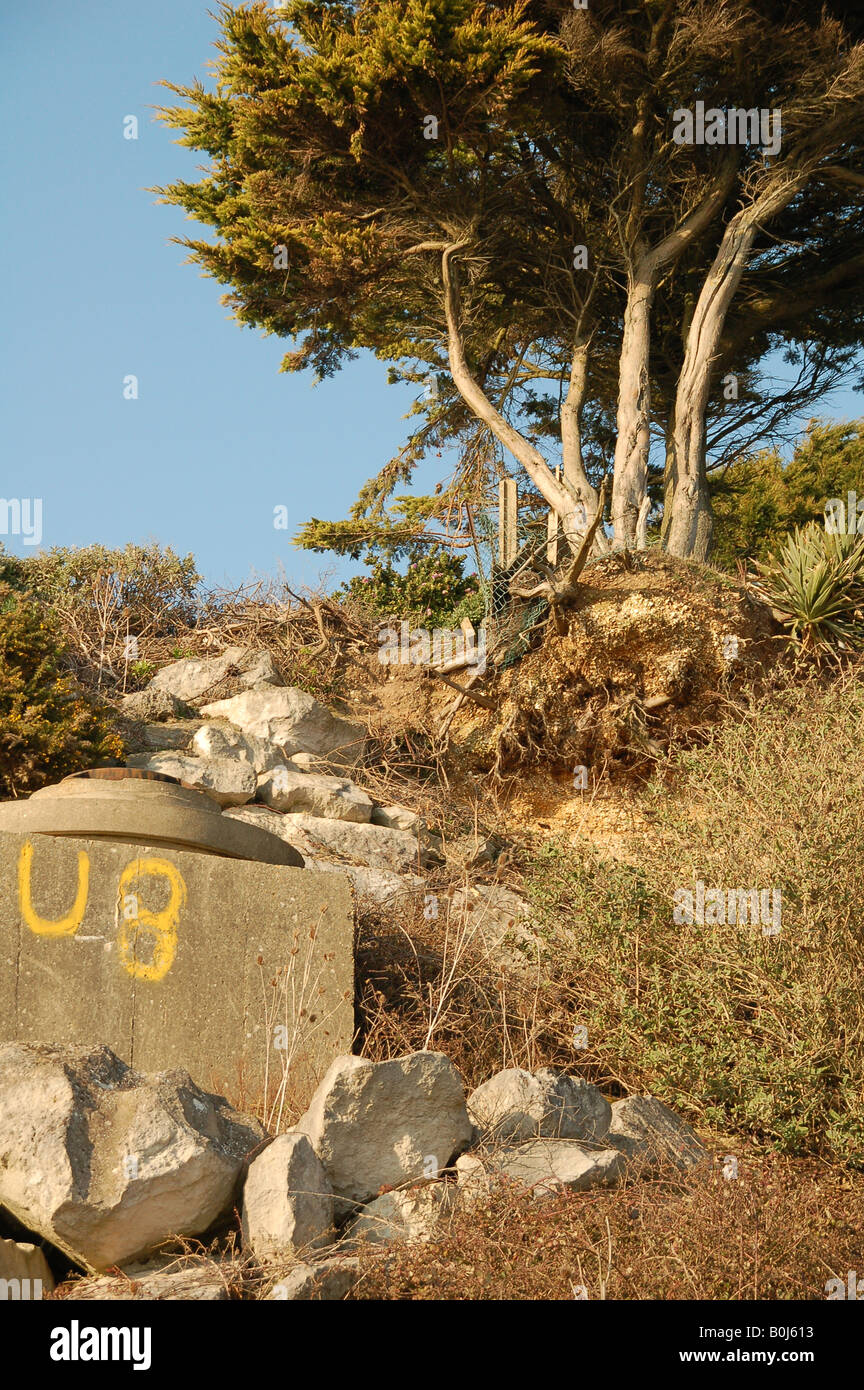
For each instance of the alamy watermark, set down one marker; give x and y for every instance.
(852, 1288)
(733, 126)
(845, 519)
(418, 646)
(20, 1290)
(729, 907)
(22, 516)
(77, 1343)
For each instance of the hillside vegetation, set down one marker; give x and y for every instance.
(743, 776)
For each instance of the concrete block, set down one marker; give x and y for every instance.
(175, 958)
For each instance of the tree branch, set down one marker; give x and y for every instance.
(530, 458)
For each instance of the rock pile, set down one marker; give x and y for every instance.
(273, 756)
(110, 1166)
(276, 746)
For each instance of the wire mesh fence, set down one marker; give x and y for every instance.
(510, 621)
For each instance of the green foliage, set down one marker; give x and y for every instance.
(102, 597)
(349, 81)
(320, 237)
(758, 502)
(48, 726)
(12, 571)
(817, 584)
(397, 531)
(142, 671)
(432, 590)
(760, 1035)
(141, 581)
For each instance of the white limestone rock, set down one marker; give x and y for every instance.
(105, 1162)
(295, 721)
(333, 798)
(515, 1105)
(287, 1200)
(382, 1124)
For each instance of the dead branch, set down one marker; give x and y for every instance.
(483, 700)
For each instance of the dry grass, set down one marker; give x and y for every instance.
(432, 982)
(316, 643)
(778, 1231)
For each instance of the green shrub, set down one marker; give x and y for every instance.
(141, 672)
(817, 586)
(104, 598)
(48, 726)
(747, 1032)
(758, 501)
(432, 591)
(12, 570)
(143, 582)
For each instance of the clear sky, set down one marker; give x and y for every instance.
(94, 292)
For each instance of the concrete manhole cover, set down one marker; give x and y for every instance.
(142, 808)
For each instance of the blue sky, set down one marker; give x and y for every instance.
(94, 292)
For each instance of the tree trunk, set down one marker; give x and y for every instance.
(634, 405)
(554, 493)
(634, 383)
(687, 518)
(688, 521)
(574, 473)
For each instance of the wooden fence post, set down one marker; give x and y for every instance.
(552, 524)
(552, 538)
(508, 546)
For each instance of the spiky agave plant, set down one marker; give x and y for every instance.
(816, 588)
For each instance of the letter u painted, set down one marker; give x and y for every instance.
(45, 926)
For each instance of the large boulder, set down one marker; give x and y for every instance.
(333, 798)
(295, 721)
(287, 1200)
(381, 886)
(286, 827)
(652, 1135)
(107, 1163)
(515, 1105)
(382, 1124)
(228, 781)
(372, 845)
(192, 680)
(153, 706)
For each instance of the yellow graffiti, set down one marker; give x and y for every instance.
(141, 927)
(44, 926)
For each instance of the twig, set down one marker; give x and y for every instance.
(483, 700)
